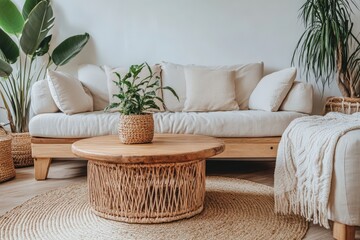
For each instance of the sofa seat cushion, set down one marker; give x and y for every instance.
(248, 123)
(82, 125)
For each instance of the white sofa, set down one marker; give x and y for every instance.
(248, 134)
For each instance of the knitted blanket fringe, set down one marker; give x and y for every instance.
(304, 164)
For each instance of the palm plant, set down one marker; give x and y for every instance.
(24, 54)
(328, 49)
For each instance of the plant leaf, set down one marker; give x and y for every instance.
(172, 91)
(69, 48)
(37, 26)
(5, 69)
(8, 47)
(10, 18)
(44, 46)
(29, 5)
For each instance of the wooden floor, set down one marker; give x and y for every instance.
(63, 173)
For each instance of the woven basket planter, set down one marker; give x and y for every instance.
(21, 150)
(136, 128)
(343, 105)
(7, 169)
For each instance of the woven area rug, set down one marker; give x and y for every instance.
(234, 209)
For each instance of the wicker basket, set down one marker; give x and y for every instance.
(21, 150)
(136, 128)
(343, 105)
(7, 169)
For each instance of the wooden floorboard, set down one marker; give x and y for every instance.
(63, 173)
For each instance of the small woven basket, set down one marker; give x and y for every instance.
(136, 128)
(21, 150)
(7, 169)
(343, 105)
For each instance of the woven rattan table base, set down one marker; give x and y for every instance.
(146, 193)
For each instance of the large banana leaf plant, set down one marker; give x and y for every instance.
(328, 49)
(24, 54)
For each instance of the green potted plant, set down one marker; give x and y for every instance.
(137, 98)
(24, 58)
(329, 50)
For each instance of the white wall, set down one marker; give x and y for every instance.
(205, 32)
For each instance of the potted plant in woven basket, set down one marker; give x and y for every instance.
(137, 98)
(329, 50)
(24, 59)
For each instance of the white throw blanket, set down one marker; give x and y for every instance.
(304, 164)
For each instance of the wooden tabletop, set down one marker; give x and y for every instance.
(165, 148)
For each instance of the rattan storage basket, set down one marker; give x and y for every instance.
(136, 128)
(7, 169)
(343, 105)
(21, 150)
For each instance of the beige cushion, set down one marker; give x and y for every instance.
(173, 75)
(247, 77)
(299, 99)
(248, 123)
(113, 89)
(41, 99)
(68, 93)
(272, 90)
(94, 79)
(219, 94)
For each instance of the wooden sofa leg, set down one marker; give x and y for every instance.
(343, 232)
(41, 166)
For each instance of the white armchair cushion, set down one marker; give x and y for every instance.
(68, 93)
(41, 99)
(299, 99)
(94, 79)
(209, 90)
(272, 90)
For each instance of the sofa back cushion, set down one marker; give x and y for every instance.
(94, 79)
(69, 94)
(41, 99)
(246, 77)
(219, 94)
(272, 90)
(299, 99)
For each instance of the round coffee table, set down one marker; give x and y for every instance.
(158, 182)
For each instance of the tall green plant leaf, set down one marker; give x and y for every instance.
(29, 5)
(69, 48)
(8, 47)
(37, 26)
(10, 18)
(44, 46)
(5, 69)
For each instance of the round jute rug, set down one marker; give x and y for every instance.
(234, 209)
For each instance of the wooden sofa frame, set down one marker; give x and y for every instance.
(45, 149)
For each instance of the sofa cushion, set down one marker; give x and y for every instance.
(218, 124)
(247, 76)
(299, 99)
(272, 90)
(94, 79)
(219, 94)
(41, 99)
(69, 94)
